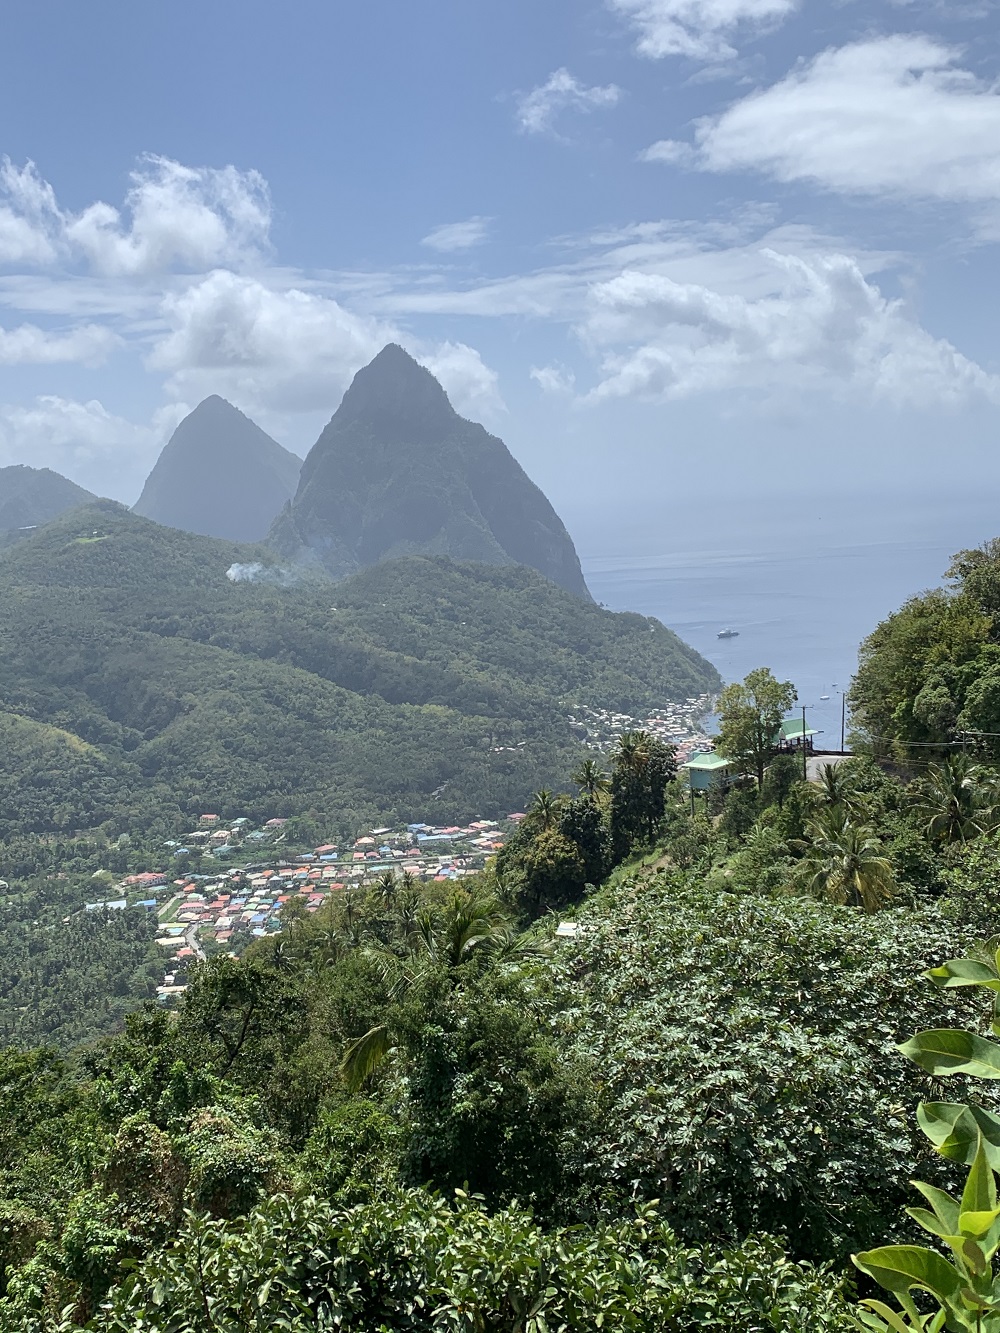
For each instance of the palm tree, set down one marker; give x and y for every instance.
(632, 751)
(835, 787)
(591, 778)
(468, 923)
(843, 862)
(544, 809)
(958, 799)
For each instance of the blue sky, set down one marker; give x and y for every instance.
(670, 250)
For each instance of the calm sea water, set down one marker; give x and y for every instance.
(801, 602)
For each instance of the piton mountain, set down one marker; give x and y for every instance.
(219, 475)
(398, 472)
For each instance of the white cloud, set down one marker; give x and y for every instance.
(537, 110)
(890, 115)
(674, 152)
(822, 327)
(471, 385)
(89, 344)
(191, 218)
(264, 348)
(84, 441)
(553, 379)
(699, 29)
(452, 236)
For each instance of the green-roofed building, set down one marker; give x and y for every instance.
(792, 734)
(709, 770)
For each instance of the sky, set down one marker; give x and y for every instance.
(685, 256)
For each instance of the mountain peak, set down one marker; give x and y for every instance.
(398, 472)
(219, 475)
(30, 496)
(395, 387)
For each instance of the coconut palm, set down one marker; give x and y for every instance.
(591, 779)
(835, 787)
(958, 799)
(544, 809)
(844, 862)
(469, 923)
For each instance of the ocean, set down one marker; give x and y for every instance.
(802, 597)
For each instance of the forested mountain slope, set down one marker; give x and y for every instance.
(174, 688)
(33, 495)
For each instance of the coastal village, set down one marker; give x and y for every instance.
(230, 882)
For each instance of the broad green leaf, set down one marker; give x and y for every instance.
(953, 1051)
(980, 1193)
(956, 1130)
(946, 1210)
(898, 1268)
(964, 972)
(977, 1225)
(892, 1319)
(974, 1257)
(932, 1224)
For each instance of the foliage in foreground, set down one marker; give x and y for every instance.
(964, 1286)
(411, 1261)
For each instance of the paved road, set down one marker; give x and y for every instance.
(816, 761)
(191, 940)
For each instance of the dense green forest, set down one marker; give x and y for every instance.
(423, 1107)
(665, 1065)
(141, 685)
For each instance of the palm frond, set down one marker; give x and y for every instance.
(363, 1056)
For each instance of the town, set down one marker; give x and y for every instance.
(236, 879)
(246, 876)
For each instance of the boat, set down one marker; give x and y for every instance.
(824, 696)
(728, 634)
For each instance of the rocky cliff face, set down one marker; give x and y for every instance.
(30, 496)
(219, 475)
(398, 472)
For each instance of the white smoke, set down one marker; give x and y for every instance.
(258, 573)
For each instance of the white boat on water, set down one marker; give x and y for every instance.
(728, 634)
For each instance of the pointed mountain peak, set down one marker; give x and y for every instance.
(398, 472)
(219, 475)
(395, 387)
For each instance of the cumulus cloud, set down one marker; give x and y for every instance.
(471, 385)
(452, 236)
(174, 216)
(699, 29)
(889, 115)
(89, 344)
(553, 379)
(537, 110)
(265, 348)
(823, 327)
(85, 442)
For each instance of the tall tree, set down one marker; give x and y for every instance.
(642, 766)
(844, 862)
(750, 713)
(958, 799)
(592, 780)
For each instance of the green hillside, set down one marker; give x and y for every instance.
(351, 701)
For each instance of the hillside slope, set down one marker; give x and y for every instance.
(219, 475)
(398, 472)
(33, 495)
(355, 701)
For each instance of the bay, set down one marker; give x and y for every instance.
(800, 596)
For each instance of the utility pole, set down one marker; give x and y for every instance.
(843, 718)
(804, 766)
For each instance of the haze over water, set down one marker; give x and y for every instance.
(803, 591)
